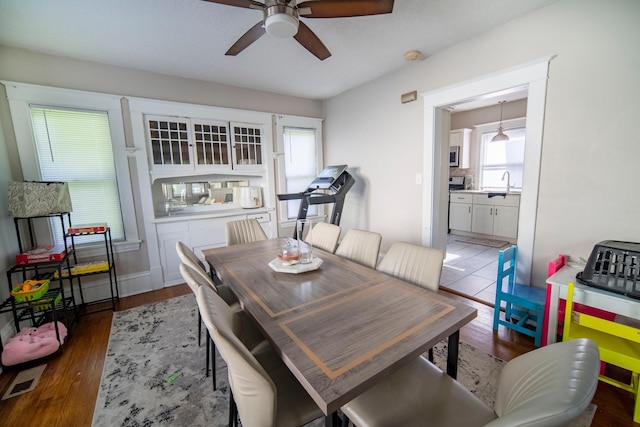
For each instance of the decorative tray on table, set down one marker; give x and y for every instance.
(288, 267)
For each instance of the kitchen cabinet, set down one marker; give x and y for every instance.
(460, 211)
(198, 234)
(496, 216)
(461, 138)
(168, 235)
(186, 145)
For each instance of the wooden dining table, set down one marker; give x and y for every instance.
(342, 327)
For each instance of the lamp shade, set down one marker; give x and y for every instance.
(500, 136)
(31, 199)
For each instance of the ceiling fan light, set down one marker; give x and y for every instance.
(281, 25)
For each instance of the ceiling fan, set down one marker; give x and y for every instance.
(281, 18)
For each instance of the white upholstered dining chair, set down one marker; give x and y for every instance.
(195, 278)
(244, 231)
(324, 236)
(360, 246)
(188, 257)
(415, 264)
(265, 392)
(547, 387)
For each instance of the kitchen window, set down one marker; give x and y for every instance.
(77, 137)
(499, 157)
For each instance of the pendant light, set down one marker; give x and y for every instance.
(500, 136)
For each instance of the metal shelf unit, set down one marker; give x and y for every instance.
(54, 301)
(109, 269)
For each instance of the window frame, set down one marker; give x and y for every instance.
(517, 123)
(282, 122)
(21, 96)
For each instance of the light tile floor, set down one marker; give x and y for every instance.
(470, 269)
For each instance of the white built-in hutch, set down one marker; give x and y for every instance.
(189, 158)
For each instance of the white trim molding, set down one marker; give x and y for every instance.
(532, 75)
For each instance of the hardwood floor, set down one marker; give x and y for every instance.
(67, 391)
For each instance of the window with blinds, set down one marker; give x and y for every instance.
(75, 146)
(300, 165)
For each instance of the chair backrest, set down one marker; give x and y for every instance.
(324, 236)
(549, 386)
(360, 246)
(506, 269)
(556, 264)
(416, 264)
(253, 390)
(195, 277)
(244, 231)
(187, 256)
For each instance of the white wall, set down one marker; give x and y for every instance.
(590, 147)
(30, 67)
(8, 240)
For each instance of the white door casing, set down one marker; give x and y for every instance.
(533, 75)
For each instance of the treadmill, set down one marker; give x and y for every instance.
(330, 186)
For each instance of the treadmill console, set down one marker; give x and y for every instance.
(327, 177)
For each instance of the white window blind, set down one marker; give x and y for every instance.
(75, 146)
(300, 165)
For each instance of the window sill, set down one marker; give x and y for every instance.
(98, 249)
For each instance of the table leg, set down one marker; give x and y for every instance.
(452, 354)
(331, 420)
(552, 327)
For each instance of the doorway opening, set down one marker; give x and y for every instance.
(533, 77)
(476, 232)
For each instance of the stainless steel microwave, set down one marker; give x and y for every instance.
(454, 156)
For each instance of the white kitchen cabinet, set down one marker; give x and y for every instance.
(246, 145)
(496, 216)
(209, 233)
(264, 218)
(461, 138)
(182, 145)
(198, 234)
(505, 221)
(168, 235)
(460, 211)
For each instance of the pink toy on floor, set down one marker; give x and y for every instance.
(33, 343)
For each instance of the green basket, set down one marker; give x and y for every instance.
(49, 301)
(41, 287)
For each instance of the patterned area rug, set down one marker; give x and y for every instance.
(154, 371)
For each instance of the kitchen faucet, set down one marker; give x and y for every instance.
(508, 175)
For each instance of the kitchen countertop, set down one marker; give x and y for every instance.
(512, 192)
(217, 213)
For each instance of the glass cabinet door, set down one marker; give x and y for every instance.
(247, 144)
(169, 139)
(211, 142)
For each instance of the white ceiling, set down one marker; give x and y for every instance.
(188, 38)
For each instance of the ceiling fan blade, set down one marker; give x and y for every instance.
(345, 8)
(311, 42)
(247, 38)
(249, 4)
